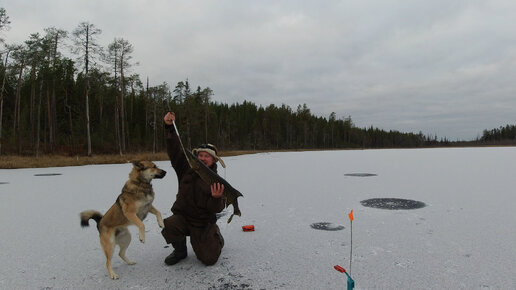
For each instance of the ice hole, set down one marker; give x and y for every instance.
(47, 174)
(325, 226)
(360, 174)
(392, 203)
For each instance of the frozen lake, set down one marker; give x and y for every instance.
(463, 237)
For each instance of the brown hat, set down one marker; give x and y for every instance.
(210, 149)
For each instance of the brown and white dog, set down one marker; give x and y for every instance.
(130, 208)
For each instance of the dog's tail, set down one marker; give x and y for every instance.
(90, 214)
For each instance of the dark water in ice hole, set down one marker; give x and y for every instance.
(360, 174)
(325, 226)
(47, 174)
(392, 203)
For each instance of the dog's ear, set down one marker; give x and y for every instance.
(138, 165)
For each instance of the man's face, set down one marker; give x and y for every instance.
(206, 158)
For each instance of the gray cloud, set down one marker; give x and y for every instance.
(440, 67)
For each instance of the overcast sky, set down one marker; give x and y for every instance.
(446, 68)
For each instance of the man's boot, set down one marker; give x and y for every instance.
(178, 254)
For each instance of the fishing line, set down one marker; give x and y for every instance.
(181, 142)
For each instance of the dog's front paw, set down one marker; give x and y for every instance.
(160, 224)
(142, 238)
(114, 276)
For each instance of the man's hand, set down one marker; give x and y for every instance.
(169, 118)
(217, 189)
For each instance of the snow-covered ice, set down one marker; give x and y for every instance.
(464, 238)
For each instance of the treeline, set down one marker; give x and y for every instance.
(92, 103)
(505, 135)
(248, 126)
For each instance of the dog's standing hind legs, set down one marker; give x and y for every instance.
(123, 239)
(108, 245)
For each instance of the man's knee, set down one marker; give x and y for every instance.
(208, 252)
(210, 260)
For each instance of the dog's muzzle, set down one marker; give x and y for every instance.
(161, 174)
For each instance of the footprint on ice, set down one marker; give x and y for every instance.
(47, 174)
(360, 174)
(392, 203)
(326, 226)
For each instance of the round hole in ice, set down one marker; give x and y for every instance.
(47, 174)
(360, 174)
(325, 226)
(392, 203)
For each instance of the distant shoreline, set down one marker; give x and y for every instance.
(60, 160)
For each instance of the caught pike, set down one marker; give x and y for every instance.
(210, 177)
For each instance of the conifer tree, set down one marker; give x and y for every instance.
(87, 48)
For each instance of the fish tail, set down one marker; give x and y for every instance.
(230, 218)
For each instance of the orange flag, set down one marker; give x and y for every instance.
(351, 215)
